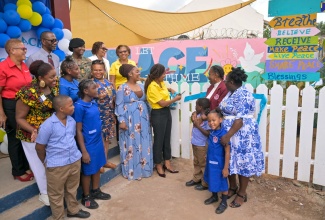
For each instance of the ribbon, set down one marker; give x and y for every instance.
(262, 104)
(195, 96)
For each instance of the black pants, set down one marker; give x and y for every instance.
(161, 121)
(16, 152)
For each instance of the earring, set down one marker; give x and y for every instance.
(42, 84)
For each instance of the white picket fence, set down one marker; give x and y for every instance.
(286, 154)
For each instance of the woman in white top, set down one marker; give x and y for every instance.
(99, 53)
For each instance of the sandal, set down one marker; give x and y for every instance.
(232, 190)
(234, 204)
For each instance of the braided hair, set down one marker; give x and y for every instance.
(84, 84)
(156, 71)
(218, 70)
(66, 64)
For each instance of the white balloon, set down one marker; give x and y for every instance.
(67, 34)
(68, 53)
(4, 148)
(5, 139)
(64, 45)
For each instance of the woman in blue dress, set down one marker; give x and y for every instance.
(246, 155)
(70, 72)
(105, 101)
(135, 133)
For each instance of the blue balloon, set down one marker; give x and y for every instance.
(13, 31)
(3, 39)
(43, 1)
(11, 17)
(48, 11)
(10, 1)
(39, 7)
(1, 14)
(10, 6)
(58, 33)
(40, 30)
(60, 54)
(57, 23)
(47, 21)
(24, 25)
(3, 26)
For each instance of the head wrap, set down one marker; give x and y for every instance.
(76, 42)
(125, 69)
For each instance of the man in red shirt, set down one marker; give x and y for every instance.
(14, 74)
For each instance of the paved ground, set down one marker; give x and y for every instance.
(168, 198)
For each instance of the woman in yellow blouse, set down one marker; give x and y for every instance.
(123, 52)
(161, 120)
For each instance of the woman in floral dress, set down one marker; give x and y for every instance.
(105, 101)
(34, 106)
(135, 133)
(246, 155)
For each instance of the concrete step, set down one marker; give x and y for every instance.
(21, 202)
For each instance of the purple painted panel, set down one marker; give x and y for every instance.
(292, 65)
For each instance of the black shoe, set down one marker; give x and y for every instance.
(80, 214)
(221, 208)
(200, 187)
(98, 194)
(211, 200)
(192, 183)
(89, 202)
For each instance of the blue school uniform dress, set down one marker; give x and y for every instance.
(88, 114)
(215, 162)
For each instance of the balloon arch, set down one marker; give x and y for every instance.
(32, 15)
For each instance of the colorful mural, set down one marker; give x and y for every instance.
(186, 60)
(190, 60)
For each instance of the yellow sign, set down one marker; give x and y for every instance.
(294, 21)
(292, 56)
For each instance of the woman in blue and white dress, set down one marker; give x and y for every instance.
(246, 155)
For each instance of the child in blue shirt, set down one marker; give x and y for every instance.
(90, 141)
(199, 143)
(217, 162)
(57, 149)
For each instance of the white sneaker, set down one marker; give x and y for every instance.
(44, 199)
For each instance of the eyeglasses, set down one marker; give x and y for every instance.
(97, 62)
(51, 40)
(104, 49)
(21, 48)
(123, 51)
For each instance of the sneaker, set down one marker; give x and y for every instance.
(98, 194)
(80, 214)
(89, 202)
(44, 199)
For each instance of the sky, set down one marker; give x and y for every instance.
(260, 6)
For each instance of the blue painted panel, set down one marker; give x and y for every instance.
(306, 77)
(293, 7)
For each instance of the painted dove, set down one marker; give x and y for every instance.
(250, 60)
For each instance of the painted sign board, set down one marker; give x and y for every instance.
(292, 56)
(295, 32)
(292, 49)
(293, 7)
(292, 65)
(289, 41)
(306, 77)
(295, 21)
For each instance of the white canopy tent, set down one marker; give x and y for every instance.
(243, 23)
